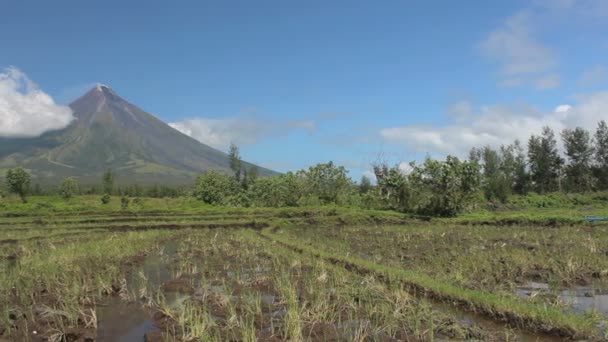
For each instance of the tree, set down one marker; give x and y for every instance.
(365, 185)
(447, 187)
(18, 182)
(278, 191)
(214, 188)
(515, 162)
(394, 187)
(475, 155)
(496, 178)
(325, 181)
(601, 155)
(124, 202)
(108, 182)
(68, 187)
(235, 161)
(579, 151)
(253, 174)
(249, 177)
(545, 162)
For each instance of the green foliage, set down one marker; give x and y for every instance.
(124, 203)
(108, 181)
(601, 155)
(325, 181)
(249, 177)
(545, 162)
(394, 187)
(158, 191)
(447, 186)
(435, 188)
(236, 164)
(279, 191)
(497, 180)
(253, 174)
(18, 182)
(68, 188)
(579, 151)
(372, 200)
(365, 185)
(515, 164)
(319, 185)
(105, 199)
(214, 188)
(503, 171)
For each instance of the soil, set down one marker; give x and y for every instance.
(180, 285)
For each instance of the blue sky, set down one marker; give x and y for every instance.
(297, 83)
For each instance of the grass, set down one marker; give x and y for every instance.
(332, 272)
(506, 308)
(311, 299)
(54, 287)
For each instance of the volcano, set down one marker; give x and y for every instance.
(111, 133)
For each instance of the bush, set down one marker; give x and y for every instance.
(214, 188)
(238, 200)
(105, 199)
(278, 191)
(18, 182)
(124, 202)
(68, 188)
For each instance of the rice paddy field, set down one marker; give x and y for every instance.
(174, 270)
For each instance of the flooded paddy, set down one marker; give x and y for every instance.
(579, 299)
(297, 281)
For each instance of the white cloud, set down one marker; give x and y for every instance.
(562, 108)
(497, 125)
(513, 46)
(405, 167)
(220, 133)
(370, 175)
(25, 110)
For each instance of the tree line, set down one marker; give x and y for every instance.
(582, 165)
(19, 182)
(446, 188)
(430, 188)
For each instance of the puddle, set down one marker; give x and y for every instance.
(123, 322)
(471, 319)
(120, 321)
(268, 299)
(578, 299)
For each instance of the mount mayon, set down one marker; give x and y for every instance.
(110, 132)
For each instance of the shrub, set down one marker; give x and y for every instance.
(124, 202)
(68, 188)
(214, 188)
(105, 199)
(18, 182)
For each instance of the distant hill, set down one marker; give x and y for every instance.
(110, 132)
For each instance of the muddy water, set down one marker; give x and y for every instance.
(120, 321)
(471, 319)
(123, 322)
(578, 299)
